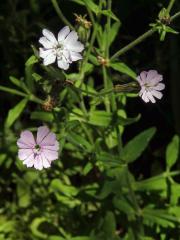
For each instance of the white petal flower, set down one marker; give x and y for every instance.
(150, 85)
(65, 49)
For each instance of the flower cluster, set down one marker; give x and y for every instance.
(42, 150)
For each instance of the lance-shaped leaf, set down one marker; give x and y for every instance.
(134, 148)
(172, 152)
(15, 112)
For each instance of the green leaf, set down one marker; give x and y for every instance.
(127, 121)
(100, 118)
(57, 185)
(35, 227)
(18, 83)
(134, 148)
(43, 116)
(113, 33)
(7, 226)
(110, 14)
(88, 167)
(171, 30)
(82, 238)
(12, 91)
(23, 193)
(55, 238)
(109, 225)
(172, 152)
(160, 217)
(157, 183)
(36, 77)
(92, 6)
(78, 140)
(108, 158)
(124, 206)
(31, 61)
(80, 2)
(15, 112)
(123, 68)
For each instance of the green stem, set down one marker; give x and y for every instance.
(106, 86)
(140, 230)
(12, 91)
(88, 133)
(133, 43)
(171, 3)
(108, 28)
(60, 14)
(90, 15)
(83, 107)
(31, 97)
(93, 37)
(176, 15)
(35, 99)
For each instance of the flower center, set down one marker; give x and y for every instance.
(37, 148)
(59, 47)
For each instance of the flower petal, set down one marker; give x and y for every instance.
(50, 36)
(145, 97)
(45, 161)
(50, 155)
(151, 98)
(143, 76)
(157, 94)
(29, 162)
(24, 153)
(160, 87)
(71, 38)
(42, 133)
(38, 163)
(46, 43)
(151, 74)
(75, 56)
(43, 53)
(66, 56)
(49, 140)
(49, 59)
(63, 64)
(26, 140)
(63, 33)
(154, 81)
(75, 46)
(54, 147)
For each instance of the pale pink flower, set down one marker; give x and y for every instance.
(65, 48)
(150, 85)
(40, 151)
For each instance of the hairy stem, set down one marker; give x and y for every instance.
(133, 43)
(176, 15)
(171, 3)
(93, 37)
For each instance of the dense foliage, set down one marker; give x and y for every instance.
(117, 174)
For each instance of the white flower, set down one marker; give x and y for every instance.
(150, 85)
(66, 48)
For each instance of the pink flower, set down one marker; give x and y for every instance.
(150, 85)
(39, 152)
